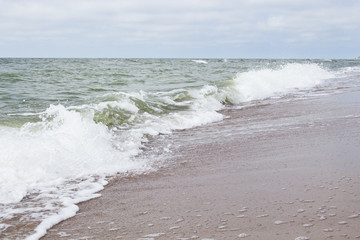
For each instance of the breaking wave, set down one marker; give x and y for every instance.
(81, 145)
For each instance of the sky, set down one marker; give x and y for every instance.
(180, 28)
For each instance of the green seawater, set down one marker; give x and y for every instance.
(30, 86)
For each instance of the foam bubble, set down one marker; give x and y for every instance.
(302, 238)
(308, 225)
(354, 216)
(153, 235)
(243, 235)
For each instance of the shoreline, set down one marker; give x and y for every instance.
(296, 176)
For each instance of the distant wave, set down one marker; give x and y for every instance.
(200, 61)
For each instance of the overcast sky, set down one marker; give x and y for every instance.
(180, 28)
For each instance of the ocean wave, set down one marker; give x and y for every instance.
(261, 84)
(101, 138)
(65, 144)
(51, 165)
(70, 145)
(76, 141)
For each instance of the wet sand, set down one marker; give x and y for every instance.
(289, 170)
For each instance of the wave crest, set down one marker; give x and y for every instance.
(256, 85)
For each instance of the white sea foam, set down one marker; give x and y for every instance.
(347, 70)
(255, 85)
(65, 145)
(55, 159)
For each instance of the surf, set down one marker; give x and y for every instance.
(65, 152)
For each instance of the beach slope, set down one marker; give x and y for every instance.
(286, 170)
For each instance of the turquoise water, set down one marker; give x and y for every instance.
(69, 124)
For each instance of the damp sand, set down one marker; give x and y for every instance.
(289, 170)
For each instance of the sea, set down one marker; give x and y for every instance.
(69, 126)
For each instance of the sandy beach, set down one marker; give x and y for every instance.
(288, 170)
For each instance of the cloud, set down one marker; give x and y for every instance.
(177, 23)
